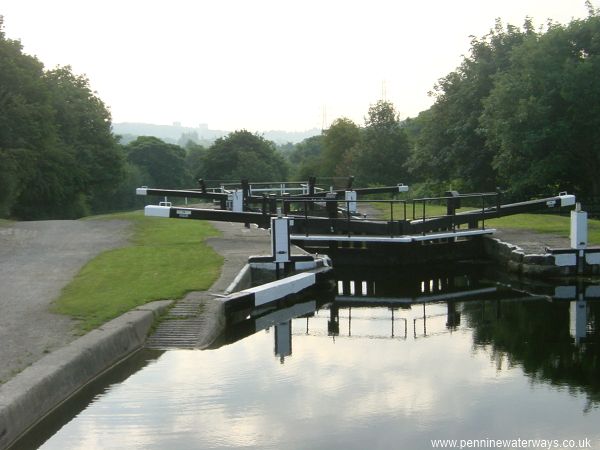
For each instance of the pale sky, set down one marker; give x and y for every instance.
(262, 64)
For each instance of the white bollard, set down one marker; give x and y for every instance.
(280, 239)
(579, 229)
(236, 199)
(578, 319)
(350, 197)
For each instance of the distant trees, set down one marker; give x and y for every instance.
(194, 159)
(161, 164)
(242, 154)
(305, 158)
(376, 153)
(340, 142)
(385, 147)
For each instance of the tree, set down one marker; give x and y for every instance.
(543, 114)
(243, 155)
(84, 130)
(58, 156)
(25, 119)
(45, 179)
(162, 165)
(385, 149)
(305, 158)
(340, 142)
(194, 159)
(451, 145)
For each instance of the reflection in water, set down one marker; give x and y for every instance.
(579, 320)
(382, 361)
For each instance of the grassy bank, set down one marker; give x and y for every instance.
(166, 258)
(540, 223)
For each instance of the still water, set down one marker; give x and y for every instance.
(380, 361)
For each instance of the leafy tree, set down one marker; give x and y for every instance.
(194, 159)
(25, 117)
(84, 130)
(161, 164)
(543, 114)
(451, 144)
(340, 143)
(243, 155)
(305, 158)
(57, 151)
(44, 180)
(385, 150)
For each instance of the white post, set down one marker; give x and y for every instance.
(280, 239)
(579, 231)
(237, 201)
(350, 197)
(578, 319)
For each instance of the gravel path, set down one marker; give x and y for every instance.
(38, 259)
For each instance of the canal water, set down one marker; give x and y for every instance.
(381, 360)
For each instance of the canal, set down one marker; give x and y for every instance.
(380, 360)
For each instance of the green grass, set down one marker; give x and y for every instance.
(166, 259)
(540, 223)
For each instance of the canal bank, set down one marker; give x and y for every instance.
(26, 397)
(531, 254)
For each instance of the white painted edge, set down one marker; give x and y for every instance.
(592, 291)
(327, 237)
(565, 291)
(306, 265)
(568, 259)
(157, 211)
(237, 281)
(592, 258)
(452, 234)
(278, 289)
(567, 200)
(401, 239)
(419, 299)
(283, 315)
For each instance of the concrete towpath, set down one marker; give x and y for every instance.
(37, 260)
(236, 244)
(530, 242)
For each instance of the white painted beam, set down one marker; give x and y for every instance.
(157, 211)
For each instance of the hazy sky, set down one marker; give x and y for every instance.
(262, 64)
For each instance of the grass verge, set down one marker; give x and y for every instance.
(166, 259)
(539, 223)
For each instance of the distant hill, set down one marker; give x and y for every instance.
(177, 134)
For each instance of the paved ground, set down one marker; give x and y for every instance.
(236, 244)
(37, 259)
